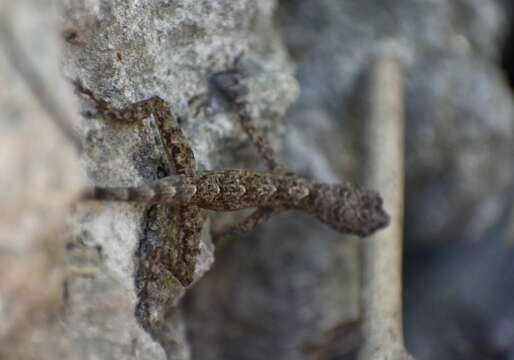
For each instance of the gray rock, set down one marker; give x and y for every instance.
(128, 51)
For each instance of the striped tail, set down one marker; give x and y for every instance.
(172, 190)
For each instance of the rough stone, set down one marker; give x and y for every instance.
(130, 51)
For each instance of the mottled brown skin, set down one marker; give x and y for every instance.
(180, 161)
(344, 208)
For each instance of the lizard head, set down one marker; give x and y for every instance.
(348, 210)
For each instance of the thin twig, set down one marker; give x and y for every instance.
(382, 252)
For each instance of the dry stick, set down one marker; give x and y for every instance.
(382, 252)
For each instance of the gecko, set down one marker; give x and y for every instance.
(344, 207)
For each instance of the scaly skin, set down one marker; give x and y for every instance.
(345, 208)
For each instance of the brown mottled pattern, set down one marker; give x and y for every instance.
(181, 161)
(180, 156)
(191, 220)
(344, 208)
(241, 189)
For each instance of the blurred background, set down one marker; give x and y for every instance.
(458, 266)
(458, 262)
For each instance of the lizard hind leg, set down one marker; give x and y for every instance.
(179, 154)
(180, 161)
(191, 223)
(263, 147)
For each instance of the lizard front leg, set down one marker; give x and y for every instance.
(229, 85)
(166, 192)
(179, 154)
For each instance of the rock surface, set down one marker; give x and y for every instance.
(40, 179)
(130, 51)
(125, 51)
